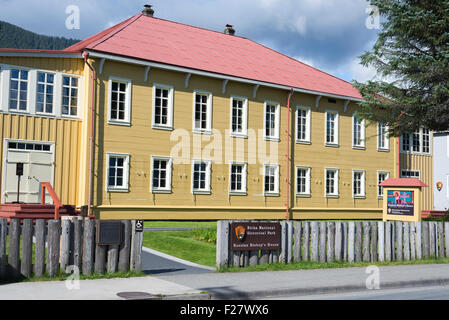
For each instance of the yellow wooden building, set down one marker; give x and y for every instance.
(153, 119)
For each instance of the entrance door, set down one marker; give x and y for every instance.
(37, 159)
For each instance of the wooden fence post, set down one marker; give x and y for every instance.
(374, 249)
(253, 258)
(406, 241)
(338, 241)
(446, 237)
(222, 243)
(440, 240)
(53, 246)
(432, 235)
(14, 247)
(330, 241)
(314, 241)
(284, 245)
(125, 247)
(366, 241)
(77, 243)
(358, 241)
(419, 246)
(88, 246)
(66, 236)
(323, 236)
(412, 241)
(306, 242)
(3, 235)
(289, 256)
(297, 235)
(39, 253)
(345, 241)
(425, 239)
(388, 241)
(26, 267)
(381, 240)
(112, 259)
(351, 241)
(399, 241)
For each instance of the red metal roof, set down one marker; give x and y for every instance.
(403, 182)
(167, 42)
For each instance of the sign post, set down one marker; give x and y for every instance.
(19, 174)
(402, 199)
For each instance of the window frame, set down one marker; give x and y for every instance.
(384, 136)
(209, 106)
(336, 194)
(54, 94)
(334, 143)
(242, 192)
(380, 195)
(169, 168)
(277, 117)
(362, 144)
(410, 171)
(78, 96)
(275, 192)
(308, 110)
(7, 88)
(128, 95)
(169, 125)
(244, 133)
(421, 143)
(207, 189)
(362, 194)
(126, 165)
(307, 193)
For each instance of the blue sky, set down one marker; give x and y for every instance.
(327, 34)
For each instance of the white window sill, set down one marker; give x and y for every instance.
(202, 192)
(332, 145)
(238, 193)
(160, 127)
(160, 191)
(359, 197)
(332, 196)
(273, 139)
(110, 189)
(359, 147)
(303, 142)
(198, 131)
(239, 135)
(271, 194)
(303, 195)
(119, 123)
(383, 150)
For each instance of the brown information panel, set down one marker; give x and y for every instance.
(247, 236)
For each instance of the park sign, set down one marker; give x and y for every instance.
(402, 199)
(248, 236)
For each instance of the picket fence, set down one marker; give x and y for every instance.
(348, 241)
(38, 247)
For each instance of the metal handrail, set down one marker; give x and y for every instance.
(47, 186)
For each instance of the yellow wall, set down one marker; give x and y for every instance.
(65, 133)
(141, 141)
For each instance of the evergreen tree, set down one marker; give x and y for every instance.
(412, 49)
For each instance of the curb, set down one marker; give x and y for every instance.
(148, 296)
(241, 295)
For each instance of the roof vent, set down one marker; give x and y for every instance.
(229, 30)
(148, 11)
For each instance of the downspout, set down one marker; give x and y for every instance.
(287, 160)
(92, 105)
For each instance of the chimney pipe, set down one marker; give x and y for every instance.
(229, 30)
(148, 11)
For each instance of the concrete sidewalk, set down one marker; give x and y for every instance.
(244, 285)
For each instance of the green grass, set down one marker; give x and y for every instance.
(197, 245)
(307, 265)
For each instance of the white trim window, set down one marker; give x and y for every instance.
(383, 141)
(162, 107)
(70, 90)
(202, 112)
(45, 92)
(303, 115)
(358, 183)
(271, 180)
(407, 173)
(239, 116)
(381, 177)
(331, 182)
(161, 173)
(201, 176)
(418, 142)
(331, 128)
(119, 101)
(303, 181)
(272, 120)
(358, 132)
(18, 90)
(237, 178)
(117, 172)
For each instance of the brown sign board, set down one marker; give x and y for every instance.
(248, 236)
(108, 232)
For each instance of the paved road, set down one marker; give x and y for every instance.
(418, 293)
(159, 264)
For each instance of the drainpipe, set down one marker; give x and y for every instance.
(92, 105)
(287, 162)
